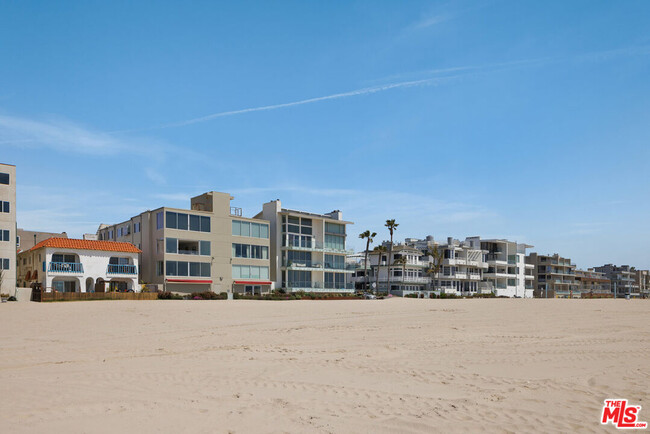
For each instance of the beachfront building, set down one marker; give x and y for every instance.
(593, 283)
(642, 280)
(307, 250)
(25, 239)
(507, 271)
(209, 247)
(554, 276)
(7, 229)
(70, 265)
(622, 278)
(406, 274)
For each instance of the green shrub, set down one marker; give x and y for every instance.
(168, 295)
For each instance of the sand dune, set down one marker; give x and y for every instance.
(397, 365)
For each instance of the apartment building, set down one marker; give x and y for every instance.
(642, 280)
(622, 278)
(554, 276)
(406, 273)
(70, 265)
(7, 229)
(593, 282)
(25, 239)
(308, 250)
(209, 247)
(507, 271)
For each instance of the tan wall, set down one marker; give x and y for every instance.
(8, 222)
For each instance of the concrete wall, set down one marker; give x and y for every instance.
(8, 222)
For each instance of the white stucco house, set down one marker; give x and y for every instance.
(72, 265)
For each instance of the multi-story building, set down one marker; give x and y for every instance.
(209, 247)
(7, 229)
(554, 276)
(407, 271)
(622, 278)
(507, 270)
(25, 239)
(69, 265)
(642, 278)
(307, 249)
(592, 282)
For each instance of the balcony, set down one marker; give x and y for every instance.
(122, 269)
(66, 267)
(317, 266)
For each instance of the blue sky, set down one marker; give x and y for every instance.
(518, 119)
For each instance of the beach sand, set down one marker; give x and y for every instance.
(398, 365)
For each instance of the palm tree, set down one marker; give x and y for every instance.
(392, 227)
(380, 250)
(368, 236)
(437, 257)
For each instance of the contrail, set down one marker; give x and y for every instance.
(364, 91)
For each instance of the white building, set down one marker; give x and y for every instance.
(7, 229)
(507, 269)
(70, 265)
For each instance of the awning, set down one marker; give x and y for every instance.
(188, 281)
(252, 282)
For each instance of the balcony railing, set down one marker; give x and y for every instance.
(66, 267)
(121, 269)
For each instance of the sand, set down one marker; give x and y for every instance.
(398, 365)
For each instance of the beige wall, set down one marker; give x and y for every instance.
(8, 222)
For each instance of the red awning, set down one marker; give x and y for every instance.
(252, 282)
(188, 281)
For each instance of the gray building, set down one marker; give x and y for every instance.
(622, 277)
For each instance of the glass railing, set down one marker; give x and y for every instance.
(122, 269)
(187, 252)
(66, 267)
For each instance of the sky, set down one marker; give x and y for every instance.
(524, 120)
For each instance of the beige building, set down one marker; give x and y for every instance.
(307, 250)
(593, 282)
(642, 278)
(8, 266)
(554, 276)
(209, 247)
(25, 240)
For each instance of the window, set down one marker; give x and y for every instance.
(249, 272)
(5, 206)
(334, 228)
(182, 268)
(195, 269)
(171, 268)
(159, 220)
(171, 245)
(4, 263)
(136, 228)
(195, 223)
(4, 178)
(248, 251)
(172, 222)
(205, 269)
(334, 280)
(181, 221)
(204, 247)
(205, 224)
(159, 268)
(249, 229)
(334, 242)
(4, 235)
(334, 261)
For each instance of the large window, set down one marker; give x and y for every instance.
(4, 235)
(334, 228)
(171, 245)
(297, 257)
(4, 263)
(182, 221)
(249, 272)
(4, 178)
(187, 247)
(159, 220)
(334, 242)
(250, 251)
(299, 279)
(184, 269)
(335, 261)
(250, 229)
(296, 225)
(334, 280)
(4, 207)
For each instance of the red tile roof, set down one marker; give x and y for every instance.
(70, 243)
